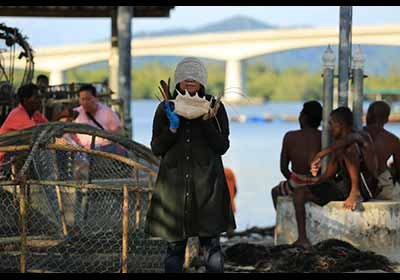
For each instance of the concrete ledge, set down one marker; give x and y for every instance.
(377, 228)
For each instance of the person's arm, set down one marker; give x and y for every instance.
(114, 123)
(338, 145)
(351, 159)
(216, 131)
(284, 161)
(162, 138)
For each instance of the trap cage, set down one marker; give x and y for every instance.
(69, 208)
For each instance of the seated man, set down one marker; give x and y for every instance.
(25, 115)
(386, 144)
(342, 180)
(96, 114)
(309, 137)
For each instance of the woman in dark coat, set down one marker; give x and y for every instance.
(191, 196)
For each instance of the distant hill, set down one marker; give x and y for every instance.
(235, 23)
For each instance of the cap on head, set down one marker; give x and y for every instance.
(191, 68)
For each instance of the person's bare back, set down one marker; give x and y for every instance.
(300, 146)
(387, 145)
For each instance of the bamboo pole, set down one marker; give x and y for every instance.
(137, 195)
(103, 154)
(70, 148)
(23, 227)
(59, 197)
(50, 183)
(125, 220)
(137, 209)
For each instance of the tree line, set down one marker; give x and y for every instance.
(295, 83)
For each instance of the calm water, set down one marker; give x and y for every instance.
(253, 155)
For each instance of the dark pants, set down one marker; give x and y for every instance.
(213, 255)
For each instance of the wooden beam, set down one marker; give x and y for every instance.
(80, 11)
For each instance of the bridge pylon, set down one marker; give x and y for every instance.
(234, 80)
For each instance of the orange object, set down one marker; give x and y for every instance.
(231, 180)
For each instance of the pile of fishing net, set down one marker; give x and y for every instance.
(330, 255)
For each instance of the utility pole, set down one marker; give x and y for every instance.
(344, 53)
(328, 59)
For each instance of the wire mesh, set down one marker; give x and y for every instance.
(62, 206)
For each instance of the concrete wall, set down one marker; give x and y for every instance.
(376, 228)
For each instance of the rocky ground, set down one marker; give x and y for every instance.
(253, 250)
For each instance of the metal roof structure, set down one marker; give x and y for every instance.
(81, 11)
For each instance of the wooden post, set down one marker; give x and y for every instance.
(23, 227)
(124, 17)
(113, 60)
(59, 196)
(137, 209)
(125, 220)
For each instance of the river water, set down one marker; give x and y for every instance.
(253, 154)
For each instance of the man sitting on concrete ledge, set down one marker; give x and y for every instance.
(346, 178)
(308, 136)
(387, 145)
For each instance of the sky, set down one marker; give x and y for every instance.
(44, 32)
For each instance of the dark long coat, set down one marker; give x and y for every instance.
(191, 196)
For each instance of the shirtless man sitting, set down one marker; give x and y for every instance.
(386, 144)
(309, 138)
(341, 180)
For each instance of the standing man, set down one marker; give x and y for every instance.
(191, 196)
(94, 113)
(42, 81)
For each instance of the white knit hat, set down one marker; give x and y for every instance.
(191, 68)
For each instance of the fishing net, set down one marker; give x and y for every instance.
(66, 208)
(330, 255)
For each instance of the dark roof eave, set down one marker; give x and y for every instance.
(80, 11)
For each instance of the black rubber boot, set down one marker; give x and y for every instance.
(213, 254)
(175, 257)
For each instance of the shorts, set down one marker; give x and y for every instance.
(389, 190)
(329, 191)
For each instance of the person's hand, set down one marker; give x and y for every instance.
(316, 161)
(212, 112)
(315, 166)
(172, 117)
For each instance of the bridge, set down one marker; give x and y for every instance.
(232, 47)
